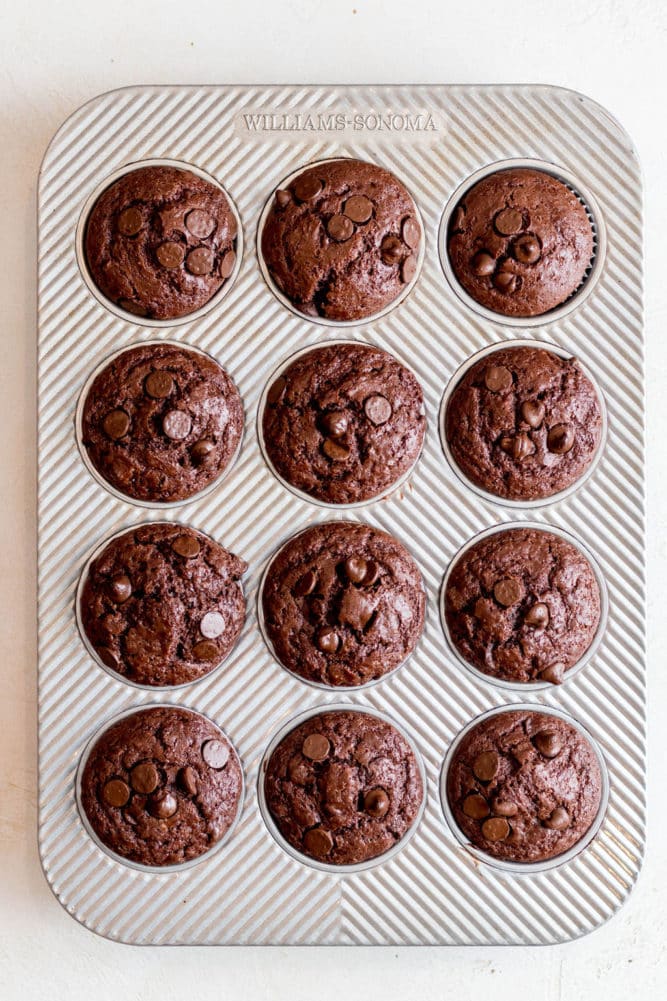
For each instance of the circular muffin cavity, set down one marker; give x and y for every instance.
(342, 240)
(524, 786)
(522, 605)
(343, 423)
(343, 604)
(160, 242)
(161, 786)
(520, 242)
(524, 423)
(161, 605)
(343, 787)
(160, 423)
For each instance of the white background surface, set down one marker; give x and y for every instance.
(53, 57)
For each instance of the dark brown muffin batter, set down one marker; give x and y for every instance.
(344, 422)
(161, 786)
(343, 604)
(161, 422)
(343, 787)
(522, 605)
(524, 423)
(524, 786)
(343, 240)
(520, 242)
(160, 242)
(163, 604)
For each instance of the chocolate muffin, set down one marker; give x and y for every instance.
(343, 787)
(524, 423)
(160, 242)
(342, 241)
(343, 604)
(163, 604)
(524, 786)
(522, 605)
(344, 422)
(161, 422)
(520, 242)
(161, 786)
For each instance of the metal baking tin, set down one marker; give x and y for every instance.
(435, 138)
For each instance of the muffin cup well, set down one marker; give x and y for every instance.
(529, 686)
(525, 868)
(307, 681)
(82, 262)
(285, 729)
(139, 866)
(485, 494)
(97, 551)
(391, 489)
(323, 320)
(599, 242)
(94, 472)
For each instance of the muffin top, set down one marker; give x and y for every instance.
(161, 786)
(524, 786)
(344, 422)
(343, 787)
(524, 423)
(163, 604)
(522, 605)
(520, 242)
(160, 242)
(343, 604)
(342, 241)
(161, 422)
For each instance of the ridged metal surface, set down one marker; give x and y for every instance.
(251, 891)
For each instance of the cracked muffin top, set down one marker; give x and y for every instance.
(524, 423)
(342, 241)
(343, 604)
(522, 605)
(163, 604)
(343, 787)
(524, 786)
(520, 242)
(344, 422)
(160, 242)
(161, 786)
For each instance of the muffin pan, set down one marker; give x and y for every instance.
(437, 140)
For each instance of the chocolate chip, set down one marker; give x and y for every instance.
(548, 743)
(497, 378)
(504, 808)
(318, 842)
(334, 451)
(532, 412)
(475, 806)
(554, 673)
(159, 384)
(327, 640)
(560, 439)
(335, 423)
(340, 228)
(202, 451)
(276, 390)
(108, 657)
(408, 269)
(537, 616)
(505, 281)
(199, 261)
(495, 829)
(358, 208)
(186, 546)
(391, 250)
(306, 584)
(144, 778)
(307, 187)
(485, 765)
(527, 249)
(316, 747)
(376, 803)
(205, 650)
(483, 264)
(283, 197)
(378, 409)
(116, 424)
(522, 447)
(115, 792)
(355, 569)
(458, 219)
(508, 221)
(372, 573)
(215, 753)
(212, 625)
(120, 588)
(163, 806)
(508, 591)
(170, 254)
(507, 444)
(227, 264)
(200, 223)
(176, 425)
(130, 221)
(187, 779)
(559, 819)
(411, 233)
